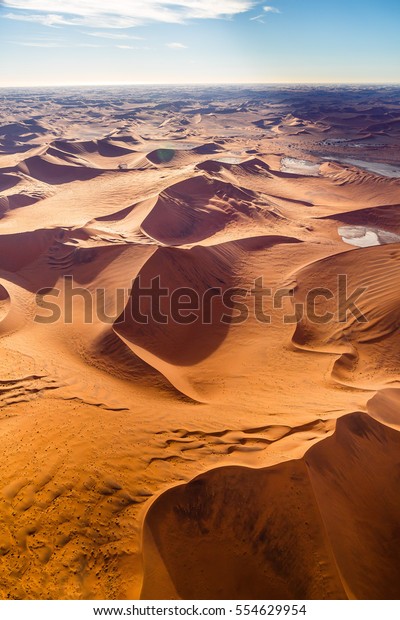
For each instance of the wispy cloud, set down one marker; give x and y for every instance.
(122, 13)
(112, 35)
(56, 21)
(271, 9)
(45, 20)
(267, 9)
(52, 44)
(176, 46)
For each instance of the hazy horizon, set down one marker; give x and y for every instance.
(201, 84)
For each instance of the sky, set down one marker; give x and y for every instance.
(88, 42)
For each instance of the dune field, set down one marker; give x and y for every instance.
(241, 439)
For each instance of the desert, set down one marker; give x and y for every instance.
(200, 345)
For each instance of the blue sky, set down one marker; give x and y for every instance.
(51, 42)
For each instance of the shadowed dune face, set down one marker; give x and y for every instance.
(198, 269)
(7, 181)
(222, 449)
(20, 250)
(16, 201)
(311, 528)
(52, 172)
(4, 302)
(386, 216)
(105, 148)
(253, 165)
(201, 543)
(161, 156)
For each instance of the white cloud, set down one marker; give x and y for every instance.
(51, 44)
(267, 9)
(45, 20)
(123, 13)
(113, 35)
(176, 46)
(56, 21)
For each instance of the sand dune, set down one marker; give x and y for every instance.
(384, 407)
(200, 543)
(385, 216)
(175, 349)
(251, 165)
(7, 181)
(14, 201)
(359, 332)
(105, 148)
(23, 249)
(20, 190)
(343, 174)
(30, 128)
(197, 208)
(54, 170)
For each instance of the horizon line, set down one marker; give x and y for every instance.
(188, 84)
